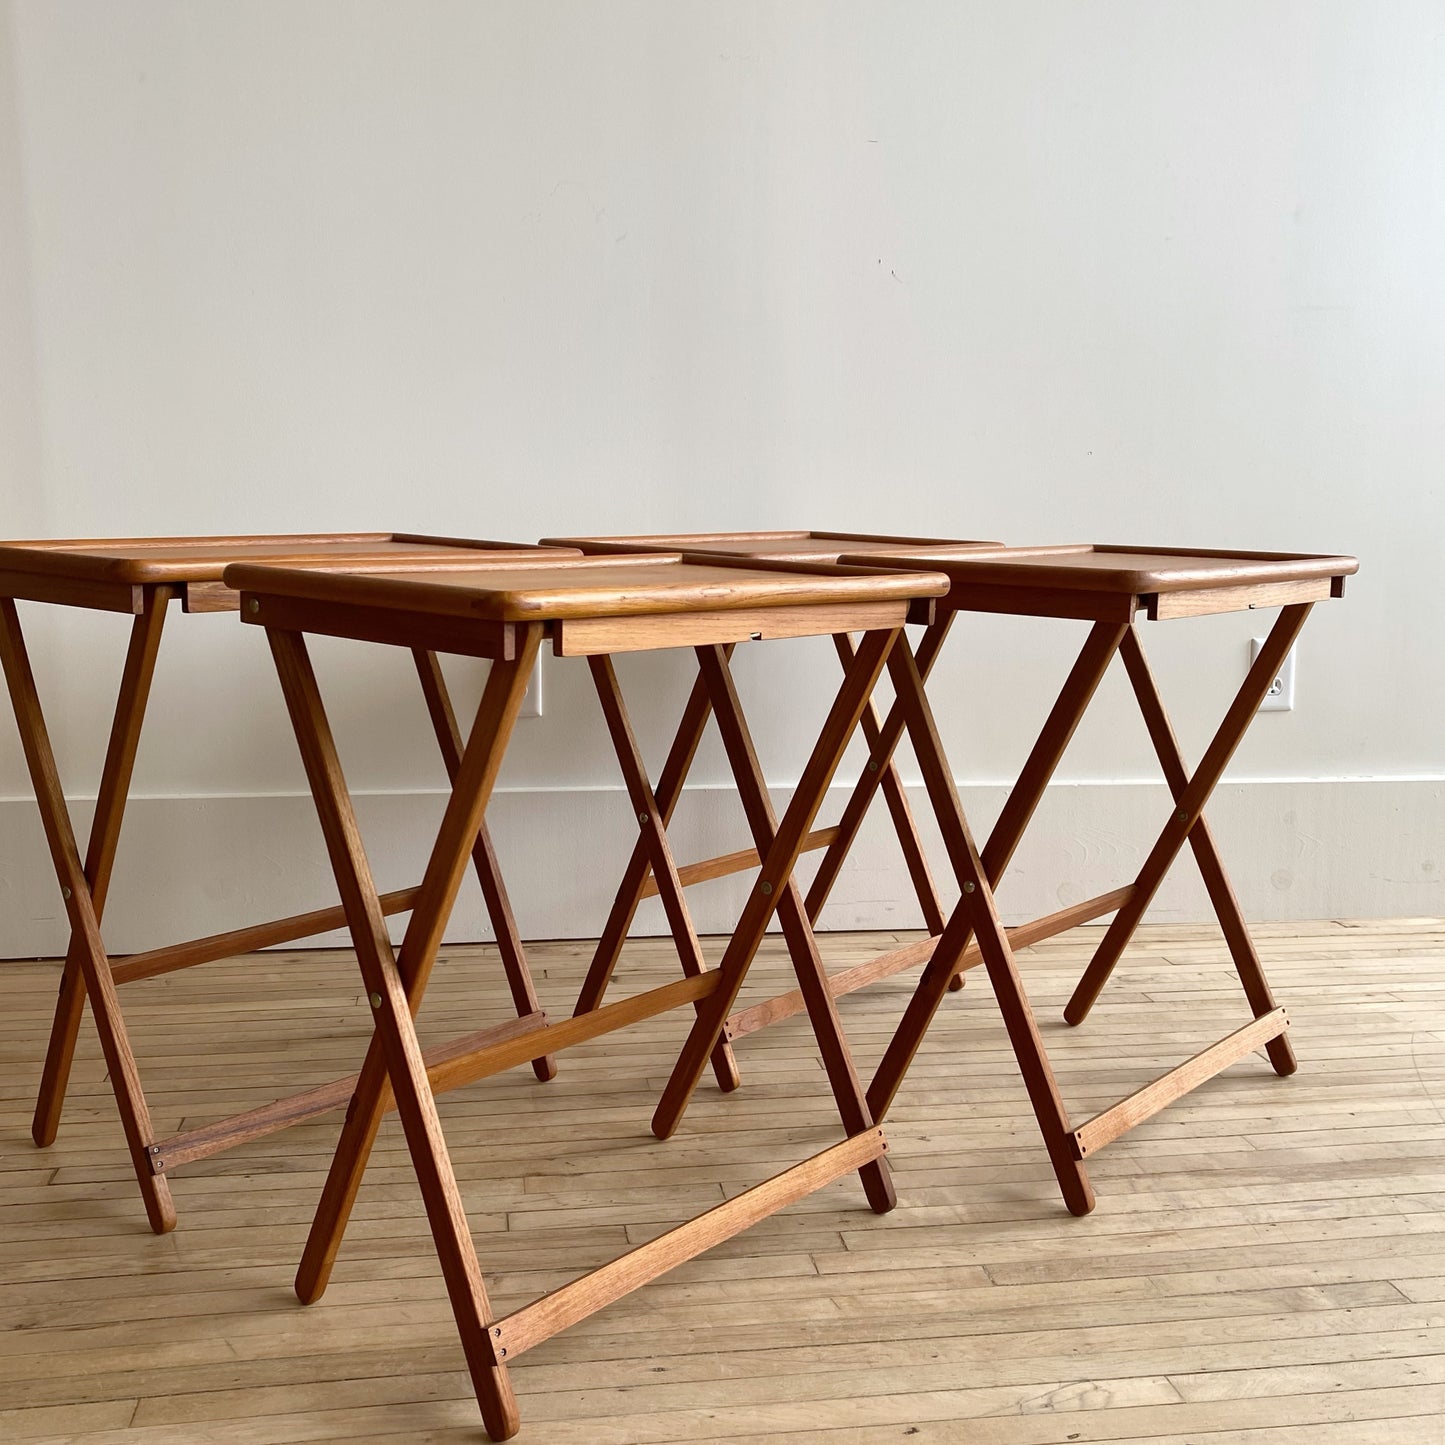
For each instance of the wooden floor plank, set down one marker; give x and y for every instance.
(1266, 1265)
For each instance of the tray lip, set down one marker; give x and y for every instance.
(130, 560)
(818, 584)
(707, 543)
(1046, 566)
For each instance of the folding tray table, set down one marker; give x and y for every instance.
(643, 878)
(594, 607)
(140, 577)
(1110, 587)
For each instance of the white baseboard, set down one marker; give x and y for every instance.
(196, 865)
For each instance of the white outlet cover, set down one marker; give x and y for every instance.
(1280, 697)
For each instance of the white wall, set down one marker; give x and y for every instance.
(1036, 271)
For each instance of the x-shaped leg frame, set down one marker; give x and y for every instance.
(88, 969)
(649, 871)
(396, 1071)
(976, 916)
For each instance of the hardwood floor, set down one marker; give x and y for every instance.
(1266, 1263)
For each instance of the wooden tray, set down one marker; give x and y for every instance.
(775, 546)
(1106, 582)
(545, 589)
(142, 560)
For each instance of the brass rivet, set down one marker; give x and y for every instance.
(66, 893)
(376, 1000)
(642, 818)
(873, 765)
(254, 605)
(1182, 815)
(968, 887)
(767, 888)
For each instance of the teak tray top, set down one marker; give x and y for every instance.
(550, 590)
(1103, 567)
(775, 546)
(152, 560)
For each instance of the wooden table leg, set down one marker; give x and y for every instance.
(779, 846)
(1007, 832)
(886, 769)
(130, 707)
(880, 761)
(654, 840)
(976, 914)
(1189, 806)
(84, 924)
(1018, 810)
(484, 856)
(1201, 839)
(396, 985)
(630, 890)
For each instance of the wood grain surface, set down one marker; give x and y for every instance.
(779, 546)
(203, 559)
(1111, 568)
(587, 587)
(1266, 1265)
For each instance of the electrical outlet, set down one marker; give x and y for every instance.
(1280, 697)
(532, 698)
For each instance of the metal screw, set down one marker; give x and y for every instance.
(642, 817)
(376, 1000)
(254, 605)
(872, 765)
(160, 1163)
(497, 1332)
(501, 1354)
(968, 887)
(66, 893)
(1182, 815)
(155, 1149)
(767, 888)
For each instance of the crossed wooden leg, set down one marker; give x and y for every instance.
(1023, 800)
(396, 983)
(140, 661)
(1069, 1146)
(87, 948)
(1187, 823)
(645, 875)
(126, 728)
(654, 847)
(779, 846)
(975, 914)
(484, 856)
(883, 740)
